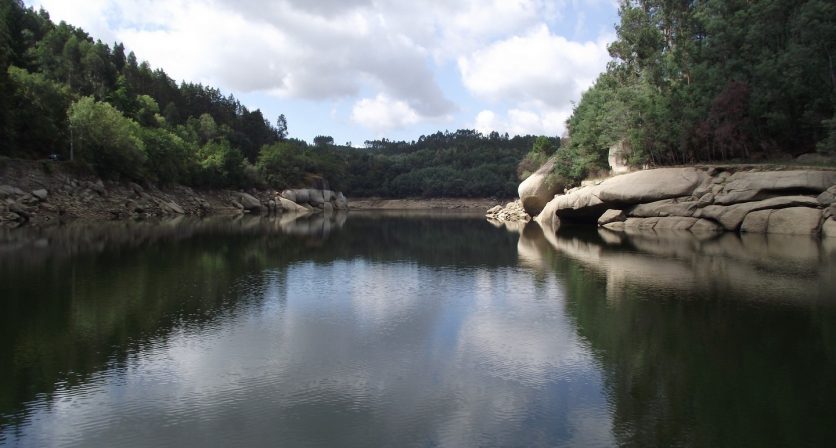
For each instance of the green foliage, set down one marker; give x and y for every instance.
(543, 148)
(40, 119)
(282, 164)
(106, 139)
(170, 158)
(220, 165)
(712, 80)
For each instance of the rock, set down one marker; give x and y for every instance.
(815, 158)
(136, 188)
(315, 197)
(328, 207)
(41, 194)
(829, 211)
(290, 195)
(618, 156)
(611, 215)
(539, 188)
(665, 207)
(237, 205)
(756, 222)
(341, 202)
(628, 189)
(640, 224)
(828, 197)
(10, 217)
(828, 229)
(617, 226)
(705, 200)
(748, 186)
(493, 210)
(795, 221)
(173, 207)
(248, 202)
(290, 206)
(512, 212)
(48, 207)
(98, 187)
(705, 226)
(674, 223)
(302, 196)
(731, 216)
(20, 209)
(6, 191)
(328, 195)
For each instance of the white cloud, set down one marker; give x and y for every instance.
(538, 66)
(533, 117)
(383, 113)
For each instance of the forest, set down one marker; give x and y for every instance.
(711, 80)
(64, 94)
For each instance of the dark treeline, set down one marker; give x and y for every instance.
(62, 92)
(711, 80)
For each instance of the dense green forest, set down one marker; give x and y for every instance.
(711, 80)
(62, 92)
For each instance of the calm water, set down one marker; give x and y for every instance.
(376, 330)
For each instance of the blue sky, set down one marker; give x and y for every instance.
(365, 69)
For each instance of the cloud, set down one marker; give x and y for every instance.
(533, 118)
(537, 66)
(383, 113)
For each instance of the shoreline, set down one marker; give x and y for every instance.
(376, 203)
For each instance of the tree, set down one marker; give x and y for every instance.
(106, 139)
(322, 141)
(281, 127)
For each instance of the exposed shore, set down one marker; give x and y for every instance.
(425, 203)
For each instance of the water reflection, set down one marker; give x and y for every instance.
(725, 341)
(410, 330)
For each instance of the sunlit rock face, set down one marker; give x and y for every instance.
(539, 188)
(703, 200)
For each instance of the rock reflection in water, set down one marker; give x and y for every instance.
(724, 341)
(760, 267)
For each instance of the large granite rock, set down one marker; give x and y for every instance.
(290, 206)
(731, 216)
(747, 186)
(341, 203)
(828, 229)
(539, 188)
(665, 207)
(795, 221)
(588, 203)
(249, 202)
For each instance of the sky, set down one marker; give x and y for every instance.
(366, 69)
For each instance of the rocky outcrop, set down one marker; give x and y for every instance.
(702, 200)
(539, 188)
(315, 199)
(512, 212)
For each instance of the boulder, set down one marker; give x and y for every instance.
(731, 216)
(748, 186)
(290, 206)
(316, 197)
(705, 226)
(41, 194)
(589, 203)
(665, 207)
(328, 207)
(328, 195)
(173, 207)
(539, 188)
(795, 221)
(10, 217)
(828, 197)
(756, 222)
(302, 196)
(611, 215)
(618, 156)
(248, 202)
(674, 223)
(341, 202)
(290, 195)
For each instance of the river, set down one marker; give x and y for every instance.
(402, 330)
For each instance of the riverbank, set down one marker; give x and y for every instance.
(45, 193)
(425, 203)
